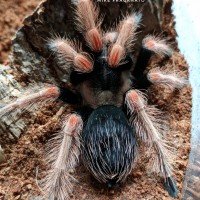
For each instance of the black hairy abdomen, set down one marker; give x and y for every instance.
(108, 145)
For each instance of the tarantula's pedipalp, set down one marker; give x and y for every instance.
(124, 40)
(165, 77)
(67, 51)
(31, 100)
(150, 129)
(62, 156)
(87, 15)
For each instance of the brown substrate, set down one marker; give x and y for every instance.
(12, 15)
(25, 158)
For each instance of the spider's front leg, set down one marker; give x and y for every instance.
(62, 155)
(150, 129)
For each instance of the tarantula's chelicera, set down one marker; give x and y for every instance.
(112, 116)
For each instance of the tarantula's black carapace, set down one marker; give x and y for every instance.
(112, 117)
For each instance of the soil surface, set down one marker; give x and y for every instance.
(12, 14)
(19, 175)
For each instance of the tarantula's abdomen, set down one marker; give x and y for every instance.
(109, 145)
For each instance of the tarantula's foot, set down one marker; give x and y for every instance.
(170, 186)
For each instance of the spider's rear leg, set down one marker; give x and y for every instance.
(151, 128)
(150, 45)
(62, 156)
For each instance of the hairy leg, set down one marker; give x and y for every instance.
(150, 129)
(159, 76)
(70, 55)
(124, 41)
(89, 23)
(62, 155)
(36, 97)
(150, 45)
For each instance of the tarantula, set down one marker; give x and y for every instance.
(112, 117)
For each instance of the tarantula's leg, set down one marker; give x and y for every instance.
(150, 45)
(124, 40)
(35, 98)
(157, 7)
(161, 77)
(87, 16)
(150, 128)
(70, 53)
(30, 100)
(68, 96)
(62, 156)
(165, 77)
(141, 83)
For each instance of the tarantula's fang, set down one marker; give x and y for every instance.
(62, 155)
(172, 80)
(157, 45)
